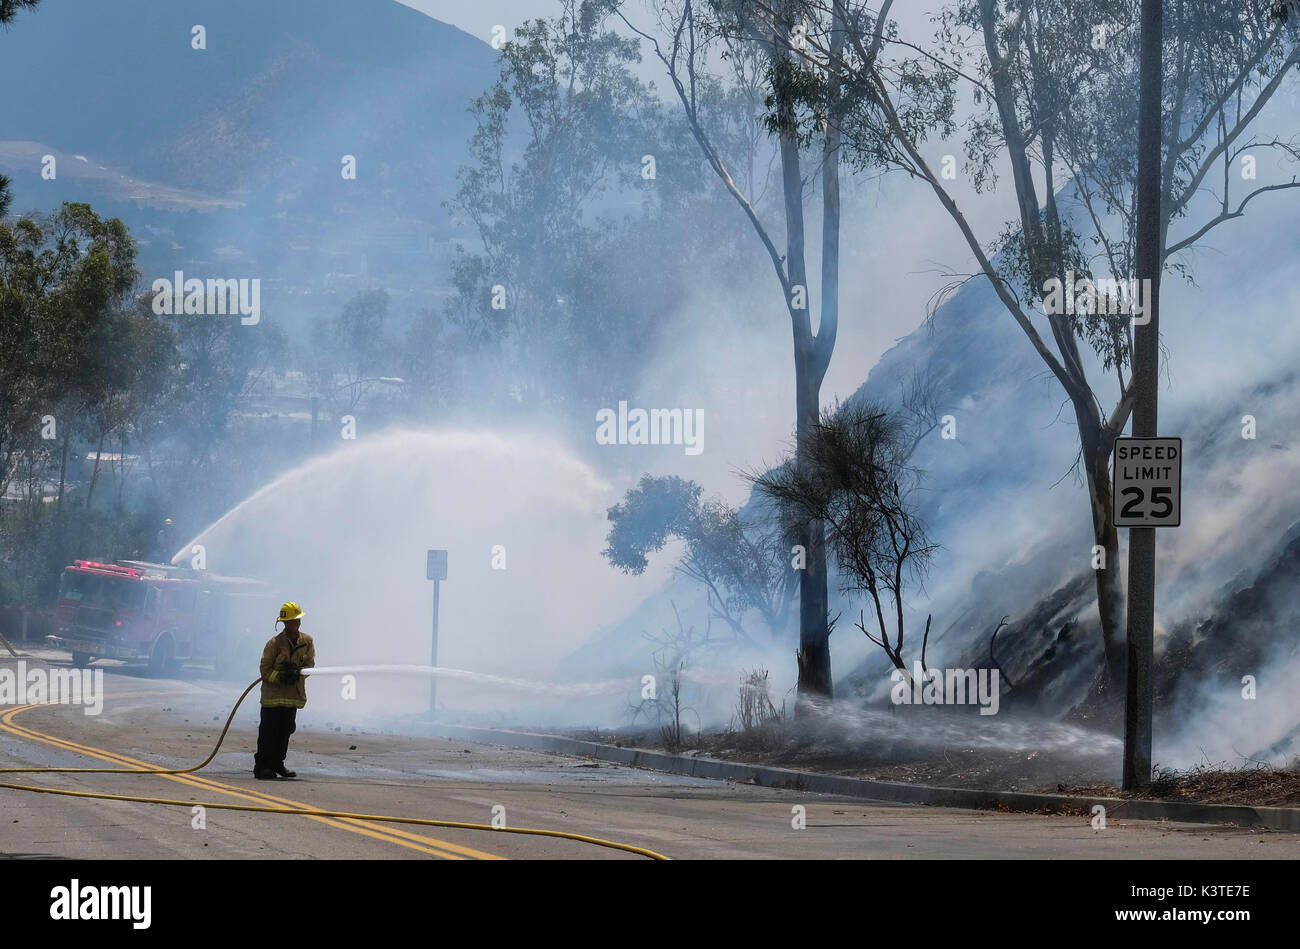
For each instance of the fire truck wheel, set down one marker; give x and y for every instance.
(80, 659)
(160, 660)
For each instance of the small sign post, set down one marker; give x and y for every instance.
(435, 570)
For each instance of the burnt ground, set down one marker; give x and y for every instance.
(1048, 772)
(1251, 786)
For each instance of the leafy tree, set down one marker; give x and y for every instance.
(565, 86)
(1059, 109)
(350, 349)
(8, 11)
(76, 363)
(805, 100)
(741, 567)
(218, 360)
(579, 257)
(855, 478)
(428, 360)
(62, 279)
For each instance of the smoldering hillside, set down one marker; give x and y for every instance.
(1011, 516)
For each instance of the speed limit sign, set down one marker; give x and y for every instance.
(1148, 482)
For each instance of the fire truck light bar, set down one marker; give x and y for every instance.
(114, 568)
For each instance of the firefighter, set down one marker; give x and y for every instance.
(284, 691)
(166, 541)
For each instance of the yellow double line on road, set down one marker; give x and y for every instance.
(417, 842)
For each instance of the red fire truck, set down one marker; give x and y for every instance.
(161, 615)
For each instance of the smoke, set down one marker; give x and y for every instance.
(345, 535)
(936, 728)
(1230, 723)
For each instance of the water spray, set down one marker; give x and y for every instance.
(609, 687)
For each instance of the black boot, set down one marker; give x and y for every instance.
(284, 772)
(264, 774)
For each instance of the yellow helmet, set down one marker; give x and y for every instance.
(290, 610)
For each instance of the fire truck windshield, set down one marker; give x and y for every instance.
(91, 588)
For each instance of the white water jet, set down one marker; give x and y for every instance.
(345, 535)
(608, 687)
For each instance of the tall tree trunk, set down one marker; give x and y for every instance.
(60, 522)
(90, 494)
(814, 601)
(63, 473)
(6, 459)
(1110, 598)
(121, 470)
(94, 473)
(1045, 262)
(814, 634)
(811, 351)
(148, 461)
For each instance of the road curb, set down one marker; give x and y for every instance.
(1274, 818)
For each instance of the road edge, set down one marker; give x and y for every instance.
(1273, 818)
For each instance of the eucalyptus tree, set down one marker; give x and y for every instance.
(1052, 87)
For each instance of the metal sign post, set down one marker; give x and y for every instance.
(1148, 493)
(1148, 258)
(435, 570)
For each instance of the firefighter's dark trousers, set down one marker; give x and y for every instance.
(273, 736)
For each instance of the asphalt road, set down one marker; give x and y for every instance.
(173, 723)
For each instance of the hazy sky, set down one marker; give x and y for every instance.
(479, 17)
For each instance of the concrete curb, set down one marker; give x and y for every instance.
(1274, 818)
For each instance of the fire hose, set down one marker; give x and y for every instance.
(304, 812)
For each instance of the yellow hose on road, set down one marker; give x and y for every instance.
(17, 655)
(342, 815)
(303, 812)
(202, 764)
